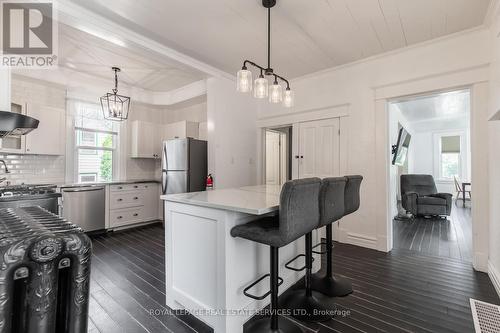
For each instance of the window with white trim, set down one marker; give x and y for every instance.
(96, 142)
(450, 156)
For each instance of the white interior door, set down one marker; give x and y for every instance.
(272, 158)
(319, 148)
(283, 157)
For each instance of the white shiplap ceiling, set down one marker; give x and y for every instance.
(444, 106)
(88, 54)
(308, 35)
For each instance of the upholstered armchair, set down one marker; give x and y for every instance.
(420, 197)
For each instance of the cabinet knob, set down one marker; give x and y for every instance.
(135, 186)
(119, 199)
(136, 214)
(135, 198)
(297, 156)
(119, 187)
(119, 217)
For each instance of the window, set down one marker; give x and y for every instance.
(450, 165)
(96, 141)
(87, 177)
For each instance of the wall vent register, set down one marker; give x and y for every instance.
(486, 316)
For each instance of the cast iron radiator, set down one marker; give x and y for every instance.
(44, 273)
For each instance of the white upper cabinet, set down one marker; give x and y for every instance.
(15, 145)
(147, 138)
(48, 138)
(146, 141)
(181, 129)
(203, 131)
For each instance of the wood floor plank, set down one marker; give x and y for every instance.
(435, 236)
(401, 291)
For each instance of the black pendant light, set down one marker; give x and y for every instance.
(115, 107)
(261, 88)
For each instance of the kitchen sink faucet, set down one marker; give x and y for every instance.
(5, 166)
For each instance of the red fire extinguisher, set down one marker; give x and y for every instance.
(210, 182)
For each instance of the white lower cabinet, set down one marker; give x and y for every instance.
(133, 203)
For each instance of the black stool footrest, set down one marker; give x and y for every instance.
(319, 244)
(259, 298)
(287, 265)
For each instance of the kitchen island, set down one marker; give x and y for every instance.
(207, 269)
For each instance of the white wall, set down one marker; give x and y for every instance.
(424, 149)
(494, 163)
(354, 85)
(196, 112)
(397, 119)
(232, 134)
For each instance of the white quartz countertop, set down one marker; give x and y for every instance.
(256, 200)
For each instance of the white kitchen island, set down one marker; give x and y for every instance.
(207, 269)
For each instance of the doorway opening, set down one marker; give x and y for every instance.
(430, 174)
(278, 155)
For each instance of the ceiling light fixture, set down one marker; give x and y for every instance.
(261, 87)
(114, 106)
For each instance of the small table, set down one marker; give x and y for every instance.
(464, 184)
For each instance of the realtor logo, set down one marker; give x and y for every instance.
(29, 32)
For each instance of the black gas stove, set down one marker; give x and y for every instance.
(24, 190)
(45, 196)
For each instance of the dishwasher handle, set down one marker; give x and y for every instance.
(84, 190)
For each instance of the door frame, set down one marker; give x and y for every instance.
(476, 80)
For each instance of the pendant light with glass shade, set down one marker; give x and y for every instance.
(115, 107)
(261, 87)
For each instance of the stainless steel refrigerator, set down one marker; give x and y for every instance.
(184, 166)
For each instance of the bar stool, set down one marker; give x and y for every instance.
(303, 302)
(339, 197)
(298, 215)
(331, 205)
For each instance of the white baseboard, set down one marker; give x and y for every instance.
(361, 240)
(494, 276)
(480, 262)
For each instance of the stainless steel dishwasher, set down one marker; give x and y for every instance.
(84, 206)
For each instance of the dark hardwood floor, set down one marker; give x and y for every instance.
(397, 292)
(450, 238)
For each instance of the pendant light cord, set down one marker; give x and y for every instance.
(269, 38)
(115, 91)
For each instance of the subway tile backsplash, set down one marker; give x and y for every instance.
(33, 169)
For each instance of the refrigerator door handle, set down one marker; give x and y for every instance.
(164, 182)
(164, 157)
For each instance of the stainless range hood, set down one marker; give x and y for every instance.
(15, 124)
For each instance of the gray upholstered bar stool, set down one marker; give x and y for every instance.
(328, 284)
(352, 196)
(298, 216)
(331, 205)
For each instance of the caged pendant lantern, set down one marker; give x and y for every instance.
(115, 107)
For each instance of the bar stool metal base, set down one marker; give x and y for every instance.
(304, 307)
(263, 325)
(330, 285)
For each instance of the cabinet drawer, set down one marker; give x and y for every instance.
(126, 199)
(130, 187)
(121, 188)
(122, 217)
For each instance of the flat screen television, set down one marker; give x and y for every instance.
(400, 150)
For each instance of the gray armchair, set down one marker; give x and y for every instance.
(420, 197)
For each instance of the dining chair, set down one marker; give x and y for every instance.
(459, 190)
